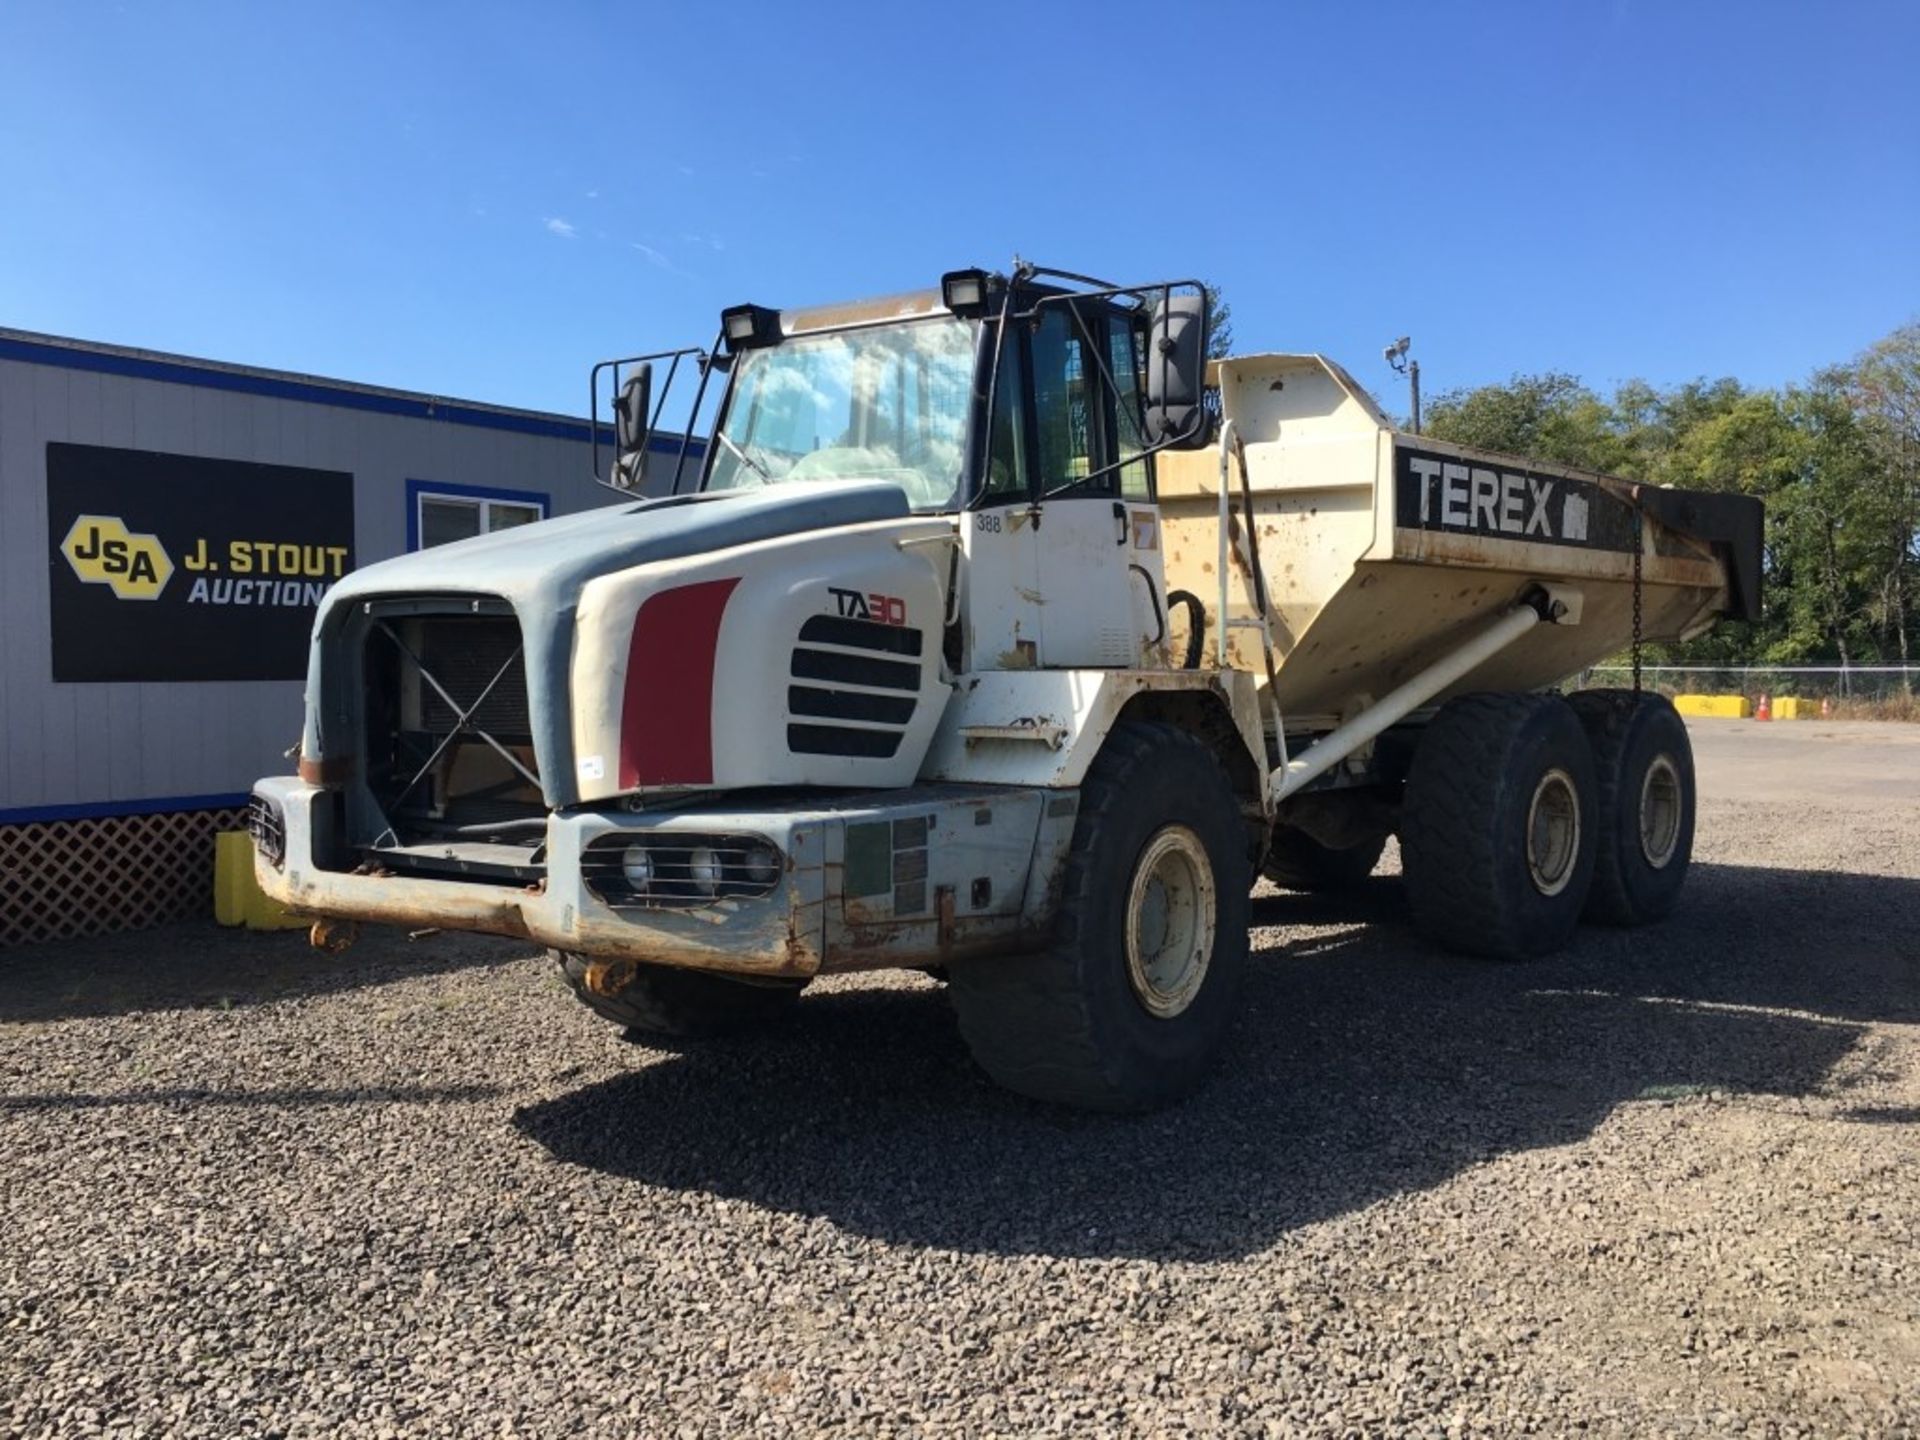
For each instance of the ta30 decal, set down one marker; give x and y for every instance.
(856, 605)
(1506, 502)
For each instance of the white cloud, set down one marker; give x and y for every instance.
(562, 228)
(652, 254)
(593, 195)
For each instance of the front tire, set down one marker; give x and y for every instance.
(1499, 826)
(1643, 765)
(662, 1000)
(1129, 1006)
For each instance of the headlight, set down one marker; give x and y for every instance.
(703, 868)
(762, 865)
(637, 865)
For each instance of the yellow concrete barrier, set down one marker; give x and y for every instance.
(237, 896)
(1722, 707)
(1796, 707)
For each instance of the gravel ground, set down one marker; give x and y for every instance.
(1661, 1184)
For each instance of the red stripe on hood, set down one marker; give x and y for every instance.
(666, 714)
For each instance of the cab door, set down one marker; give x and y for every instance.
(1063, 543)
(1100, 584)
(999, 537)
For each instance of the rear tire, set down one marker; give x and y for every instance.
(1129, 1006)
(1499, 827)
(1643, 768)
(662, 1000)
(1297, 861)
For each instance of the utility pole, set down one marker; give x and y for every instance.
(1396, 356)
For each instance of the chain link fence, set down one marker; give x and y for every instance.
(1849, 691)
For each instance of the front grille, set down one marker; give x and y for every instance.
(449, 733)
(874, 697)
(463, 654)
(268, 828)
(680, 870)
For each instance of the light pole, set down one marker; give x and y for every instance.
(1396, 356)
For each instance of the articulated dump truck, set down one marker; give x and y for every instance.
(989, 631)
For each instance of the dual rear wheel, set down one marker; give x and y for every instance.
(1525, 814)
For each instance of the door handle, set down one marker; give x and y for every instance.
(1120, 514)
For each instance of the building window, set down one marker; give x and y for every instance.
(441, 514)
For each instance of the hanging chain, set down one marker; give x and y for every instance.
(1638, 546)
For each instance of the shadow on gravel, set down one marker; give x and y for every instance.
(280, 1099)
(1367, 1066)
(203, 966)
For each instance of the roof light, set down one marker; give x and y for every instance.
(747, 327)
(964, 292)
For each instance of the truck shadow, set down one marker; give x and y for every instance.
(201, 966)
(1367, 1066)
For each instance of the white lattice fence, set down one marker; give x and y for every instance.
(62, 878)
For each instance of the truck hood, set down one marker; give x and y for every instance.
(540, 570)
(542, 566)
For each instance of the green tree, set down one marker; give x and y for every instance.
(1550, 417)
(1219, 323)
(1884, 387)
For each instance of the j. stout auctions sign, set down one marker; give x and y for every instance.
(174, 567)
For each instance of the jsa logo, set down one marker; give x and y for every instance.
(852, 605)
(102, 551)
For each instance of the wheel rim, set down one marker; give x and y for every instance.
(1553, 832)
(1170, 907)
(1660, 811)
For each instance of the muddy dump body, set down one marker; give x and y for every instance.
(1379, 549)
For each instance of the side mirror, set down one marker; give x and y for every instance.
(1176, 374)
(632, 422)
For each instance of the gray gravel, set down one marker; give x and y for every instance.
(1664, 1183)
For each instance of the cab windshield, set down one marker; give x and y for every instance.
(888, 403)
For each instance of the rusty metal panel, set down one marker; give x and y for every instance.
(958, 865)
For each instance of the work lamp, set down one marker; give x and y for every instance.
(747, 327)
(964, 292)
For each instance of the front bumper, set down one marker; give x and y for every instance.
(867, 881)
(781, 934)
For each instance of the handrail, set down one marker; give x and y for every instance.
(1226, 451)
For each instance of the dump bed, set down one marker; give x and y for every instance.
(1380, 549)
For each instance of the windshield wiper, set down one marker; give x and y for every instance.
(745, 459)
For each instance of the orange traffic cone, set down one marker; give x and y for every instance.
(1826, 707)
(1764, 710)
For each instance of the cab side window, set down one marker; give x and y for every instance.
(1065, 386)
(1066, 408)
(1124, 350)
(1007, 477)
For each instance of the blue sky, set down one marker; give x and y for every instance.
(480, 200)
